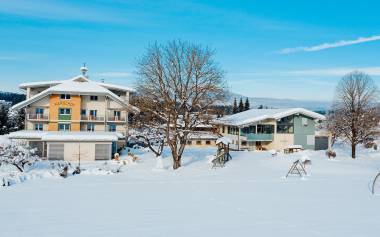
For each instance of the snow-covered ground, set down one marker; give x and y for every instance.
(248, 197)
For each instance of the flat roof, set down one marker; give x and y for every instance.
(66, 136)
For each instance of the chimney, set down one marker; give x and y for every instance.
(84, 70)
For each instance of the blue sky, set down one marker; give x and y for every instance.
(281, 49)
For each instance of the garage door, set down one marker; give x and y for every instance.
(321, 143)
(56, 151)
(102, 151)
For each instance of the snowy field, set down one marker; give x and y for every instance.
(248, 197)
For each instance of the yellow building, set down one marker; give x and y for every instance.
(78, 110)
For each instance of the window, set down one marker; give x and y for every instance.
(64, 127)
(39, 111)
(116, 113)
(112, 128)
(64, 111)
(94, 97)
(208, 142)
(243, 143)
(65, 96)
(83, 112)
(265, 128)
(223, 129)
(90, 127)
(93, 113)
(250, 129)
(189, 143)
(286, 120)
(233, 130)
(38, 127)
(284, 129)
(199, 142)
(285, 125)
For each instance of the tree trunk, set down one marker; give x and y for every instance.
(353, 151)
(176, 162)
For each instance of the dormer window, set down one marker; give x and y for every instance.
(94, 97)
(65, 96)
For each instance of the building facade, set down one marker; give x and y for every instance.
(271, 129)
(77, 107)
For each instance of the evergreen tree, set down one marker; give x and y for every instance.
(261, 107)
(4, 107)
(241, 105)
(14, 98)
(235, 108)
(228, 110)
(246, 104)
(15, 120)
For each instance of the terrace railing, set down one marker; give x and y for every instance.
(92, 118)
(116, 119)
(39, 117)
(258, 136)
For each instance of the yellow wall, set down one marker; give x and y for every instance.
(74, 104)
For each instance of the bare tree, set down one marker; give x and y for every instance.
(181, 82)
(147, 126)
(18, 154)
(355, 115)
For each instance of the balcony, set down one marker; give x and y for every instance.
(38, 117)
(64, 117)
(258, 136)
(91, 118)
(116, 119)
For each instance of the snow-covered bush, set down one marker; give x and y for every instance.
(151, 137)
(17, 154)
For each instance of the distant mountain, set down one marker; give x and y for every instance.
(11, 97)
(282, 103)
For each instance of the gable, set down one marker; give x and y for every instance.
(80, 79)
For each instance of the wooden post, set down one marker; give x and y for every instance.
(106, 114)
(238, 138)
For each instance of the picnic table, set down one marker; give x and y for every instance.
(292, 149)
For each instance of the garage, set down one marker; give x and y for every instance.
(72, 146)
(321, 143)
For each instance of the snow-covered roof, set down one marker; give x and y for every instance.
(57, 82)
(224, 140)
(203, 135)
(66, 136)
(257, 115)
(115, 87)
(81, 86)
(39, 84)
(75, 87)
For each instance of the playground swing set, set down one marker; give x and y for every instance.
(223, 153)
